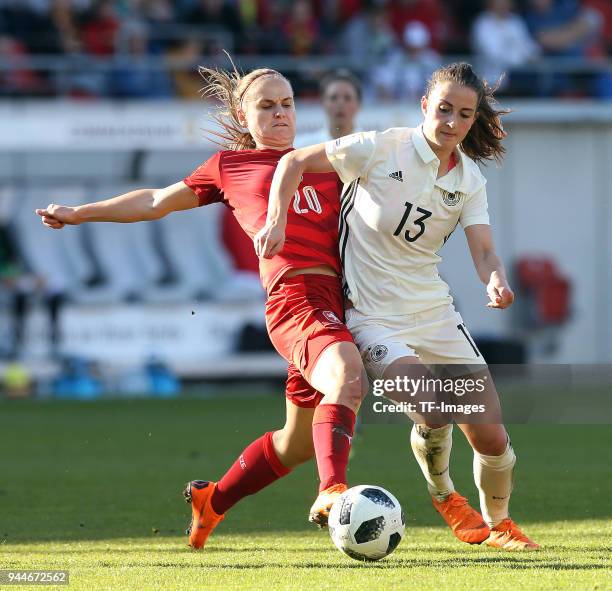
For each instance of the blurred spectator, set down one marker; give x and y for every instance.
(461, 17)
(270, 37)
(186, 78)
(89, 28)
(604, 8)
(136, 76)
(99, 29)
(341, 96)
(427, 12)
(19, 80)
(65, 19)
(406, 71)
(219, 16)
(332, 16)
(160, 17)
(154, 11)
(602, 83)
(368, 37)
(501, 41)
(347, 9)
(249, 12)
(562, 27)
(31, 22)
(367, 32)
(301, 29)
(252, 14)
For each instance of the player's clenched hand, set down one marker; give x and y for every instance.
(499, 292)
(269, 240)
(57, 216)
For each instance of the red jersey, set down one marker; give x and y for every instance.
(241, 180)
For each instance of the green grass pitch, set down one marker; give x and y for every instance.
(95, 488)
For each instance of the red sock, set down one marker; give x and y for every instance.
(256, 467)
(332, 430)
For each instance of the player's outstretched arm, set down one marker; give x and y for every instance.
(135, 206)
(270, 239)
(488, 265)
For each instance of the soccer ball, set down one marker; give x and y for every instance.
(366, 522)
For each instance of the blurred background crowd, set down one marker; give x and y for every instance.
(148, 48)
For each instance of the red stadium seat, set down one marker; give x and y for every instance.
(541, 281)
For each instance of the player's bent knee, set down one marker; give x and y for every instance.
(348, 390)
(489, 442)
(339, 375)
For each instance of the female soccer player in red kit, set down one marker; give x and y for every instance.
(304, 307)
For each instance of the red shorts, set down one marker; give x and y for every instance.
(304, 315)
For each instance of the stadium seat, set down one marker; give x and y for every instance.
(73, 271)
(7, 165)
(125, 253)
(172, 166)
(192, 241)
(74, 166)
(58, 257)
(175, 259)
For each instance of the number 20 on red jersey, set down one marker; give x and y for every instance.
(307, 201)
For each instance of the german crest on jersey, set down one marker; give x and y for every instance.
(378, 353)
(451, 198)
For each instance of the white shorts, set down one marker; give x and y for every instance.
(437, 337)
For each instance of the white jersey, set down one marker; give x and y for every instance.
(395, 216)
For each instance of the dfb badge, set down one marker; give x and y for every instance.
(451, 198)
(378, 353)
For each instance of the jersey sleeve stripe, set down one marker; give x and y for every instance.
(345, 209)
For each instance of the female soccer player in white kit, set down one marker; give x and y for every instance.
(405, 192)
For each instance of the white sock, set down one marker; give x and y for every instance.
(432, 448)
(493, 476)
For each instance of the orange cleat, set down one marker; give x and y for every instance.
(508, 536)
(319, 512)
(203, 517)
(467, 524)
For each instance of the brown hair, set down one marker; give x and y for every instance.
(341, 75)
(229, 89)
(483, 141)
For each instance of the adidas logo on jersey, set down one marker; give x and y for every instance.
(397, 176)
